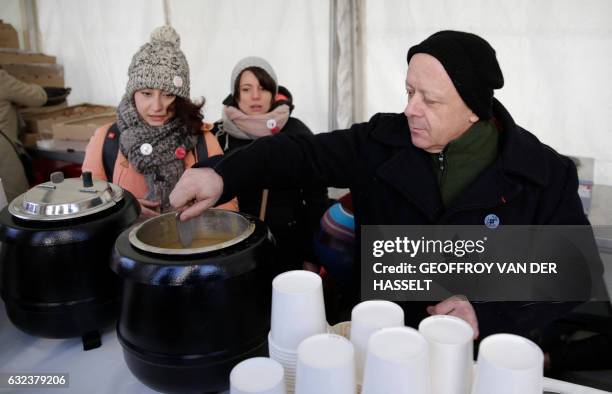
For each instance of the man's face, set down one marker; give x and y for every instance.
(436, 113)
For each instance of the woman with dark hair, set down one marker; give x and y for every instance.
(159, 130)
(256, 108)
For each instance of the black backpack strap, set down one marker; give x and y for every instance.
(110, 149)
(201, 152)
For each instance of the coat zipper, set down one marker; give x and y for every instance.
(442, 165)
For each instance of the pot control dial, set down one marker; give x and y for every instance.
(87, 179)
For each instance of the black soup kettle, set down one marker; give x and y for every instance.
(56, 243)
(190, 314)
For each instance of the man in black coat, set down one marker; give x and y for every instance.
(455, 156)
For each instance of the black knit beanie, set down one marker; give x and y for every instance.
(470, 63)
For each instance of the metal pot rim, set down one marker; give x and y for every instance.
(139, 244)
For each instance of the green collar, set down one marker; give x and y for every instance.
(463, 159)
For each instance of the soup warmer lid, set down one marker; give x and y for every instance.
(61, 199)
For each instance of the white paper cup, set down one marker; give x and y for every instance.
(509, 364)
(259, 375)
(326, 365)
(366, 318)
(451, 353)
(298, 310)
(397, 362)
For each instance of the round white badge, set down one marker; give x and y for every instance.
(177, 81)
(271, 123)
(146, 149)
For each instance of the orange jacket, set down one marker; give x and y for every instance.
(126, 176)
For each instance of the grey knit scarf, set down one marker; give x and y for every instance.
(161, 167)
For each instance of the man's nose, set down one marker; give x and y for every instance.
(413, 107)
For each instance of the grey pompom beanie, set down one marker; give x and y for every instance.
(160, 64)
(252, 61)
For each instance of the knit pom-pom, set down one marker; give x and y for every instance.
(166, 34)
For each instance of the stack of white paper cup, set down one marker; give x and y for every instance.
(298, 312)
(397, 362)
(509, 364)
(451, 353)
(259, 375)
(288, 360)
(366, 318)
(326, 365)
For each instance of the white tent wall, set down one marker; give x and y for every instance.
(10, 12)
(95, 43)
(556, 56)
(292, 35)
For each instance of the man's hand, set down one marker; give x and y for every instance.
(148, 208)
(196, 191)
(457, 306)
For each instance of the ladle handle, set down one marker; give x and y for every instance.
(184, 230)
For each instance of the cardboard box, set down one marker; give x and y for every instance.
(30, 139)
(41, 120)
(12, 56)
(8, 36)
(83, 128)
(42, 74)
(31, 111)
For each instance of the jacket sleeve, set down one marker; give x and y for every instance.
(293, 161)
(93, 154)
(316, 202)
(531, 319)
(568, 210)
(22, 93)
(212, 145)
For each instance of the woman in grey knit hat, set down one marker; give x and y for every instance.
(159, 130)
(257, 108)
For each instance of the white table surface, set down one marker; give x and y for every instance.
(95, 371)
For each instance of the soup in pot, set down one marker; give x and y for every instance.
(198, 242)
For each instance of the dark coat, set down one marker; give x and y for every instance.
(293, 214)
(393, 182)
